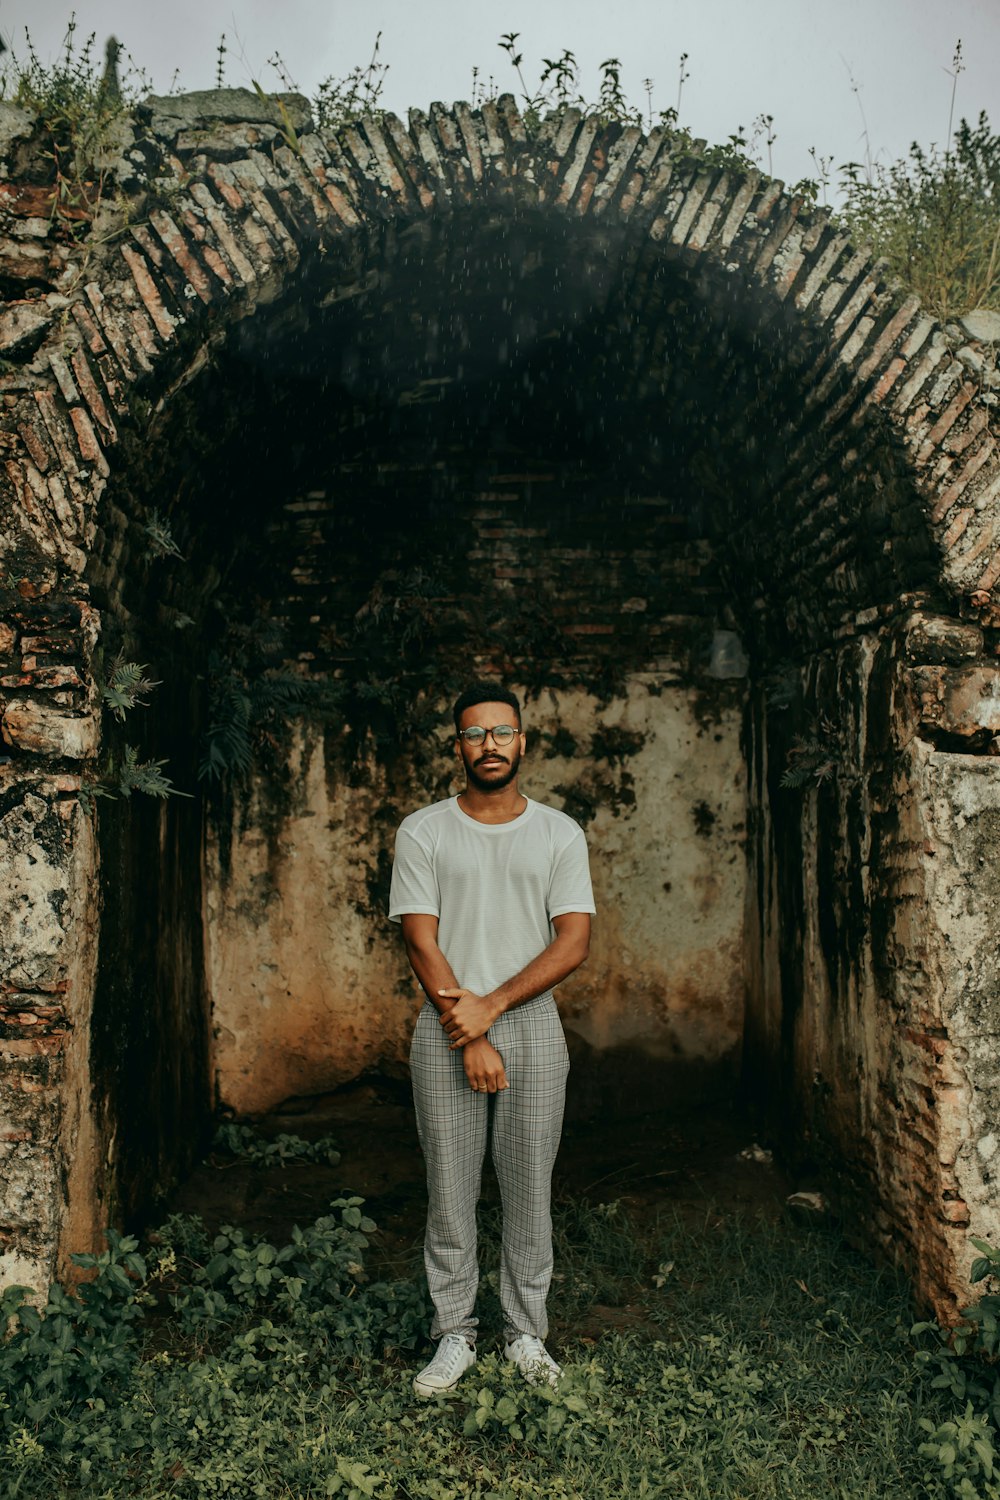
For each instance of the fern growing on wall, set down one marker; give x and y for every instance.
(249, 701)
(145, 776)
(126, 688)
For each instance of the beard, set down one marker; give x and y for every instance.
(499, 779)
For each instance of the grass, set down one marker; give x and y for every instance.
(706, 1355)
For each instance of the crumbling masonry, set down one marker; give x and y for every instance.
(577, 408)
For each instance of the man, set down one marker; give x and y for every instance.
(493, 892)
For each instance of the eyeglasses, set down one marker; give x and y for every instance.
(476, 735)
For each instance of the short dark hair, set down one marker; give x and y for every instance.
(484, 691)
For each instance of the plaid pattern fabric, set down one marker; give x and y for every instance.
(525, 1123)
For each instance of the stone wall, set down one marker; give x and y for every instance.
(872, 941)
(701, 334)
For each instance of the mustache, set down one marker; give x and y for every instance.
(493, 756)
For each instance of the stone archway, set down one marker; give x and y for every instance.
(836, 448)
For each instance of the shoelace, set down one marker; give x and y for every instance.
(450, 1352)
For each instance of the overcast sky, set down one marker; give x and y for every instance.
(812, 64)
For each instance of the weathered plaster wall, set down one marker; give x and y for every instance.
(308, 980)
(958, 803)
(47, 912)
(874, 931)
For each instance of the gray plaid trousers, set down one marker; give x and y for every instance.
(453, 1123)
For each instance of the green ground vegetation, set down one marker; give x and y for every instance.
(705, 1355)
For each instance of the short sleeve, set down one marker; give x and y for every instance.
(414, 887)
(569, 886)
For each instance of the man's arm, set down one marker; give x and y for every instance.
(483, 1063)
(426, 959)
(470, 1016)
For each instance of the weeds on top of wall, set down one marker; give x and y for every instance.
(558, 90)
(933, 214)
(79, 104)
(340, 101)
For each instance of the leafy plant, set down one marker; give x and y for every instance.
(246, 705)
(965, 1362)
(287, 129)
(558, 88)
(218, 1363)
(935, 216)
(126, 688)
(815, 756)
(243, 1141)
(145, 776)
(161, 538)
(78, 104)
(341, 101)
(76, 1346)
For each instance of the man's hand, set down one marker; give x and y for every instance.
(484, 1067)
(470, 1017)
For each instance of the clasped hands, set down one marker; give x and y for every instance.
(467, 1023)
(470, 1017)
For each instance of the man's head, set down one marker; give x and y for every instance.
(490, 759)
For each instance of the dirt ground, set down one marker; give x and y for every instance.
(651, 1163)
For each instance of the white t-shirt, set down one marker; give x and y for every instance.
(494, 887)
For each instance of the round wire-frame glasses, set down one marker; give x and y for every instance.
(502, 734)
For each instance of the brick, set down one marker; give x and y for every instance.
(148, 291)
(494, 138)
(110, 327)
(87, 440)
(944, 423)
(226, 235)
(574, 168)
(894, 329)
(110, 368)
(958, 486)
(182, 253)
(92, 395)
(619, 159)
(738, 209)
(64, 379)
(413, 165)
(957, 527)
(389, 171)
(421, 133)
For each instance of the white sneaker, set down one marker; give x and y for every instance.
(453, 1357)
(533, 1359)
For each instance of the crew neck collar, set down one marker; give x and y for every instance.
(517, 822)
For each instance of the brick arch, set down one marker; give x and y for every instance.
(249, 208)
(245, 202)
